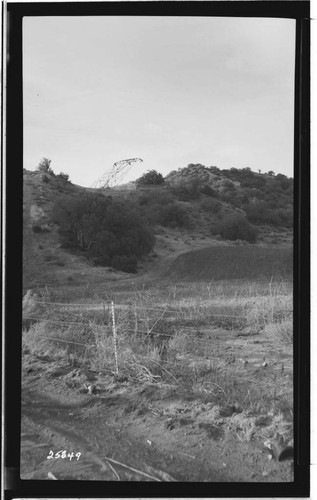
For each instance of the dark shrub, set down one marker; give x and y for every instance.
(152, 177)
(102, 228)
(262, 213)
(174, 215)
(125, 263)
(187, 190)
(228, 185)
(209, 191)
(102, 260)
(214, 169)
(236, 227)
(211, 205)
(64, 177)
(152, 197)
(284, 182)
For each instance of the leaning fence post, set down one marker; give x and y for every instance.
(114, 331)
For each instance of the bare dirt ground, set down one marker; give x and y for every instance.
(156, 431)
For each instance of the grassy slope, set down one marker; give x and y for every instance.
(234, 262)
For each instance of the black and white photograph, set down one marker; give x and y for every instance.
(158, 248)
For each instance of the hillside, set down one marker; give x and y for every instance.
(184, 214)
(264, 198)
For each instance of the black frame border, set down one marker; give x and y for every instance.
(15, 487)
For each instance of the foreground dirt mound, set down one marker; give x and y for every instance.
(79, 424)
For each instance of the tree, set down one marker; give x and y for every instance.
(150, 178)
(64, 177)
(45, 166)
(284, 181)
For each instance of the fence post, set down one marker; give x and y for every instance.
(135, 322)
(104, 311)
(114, 331)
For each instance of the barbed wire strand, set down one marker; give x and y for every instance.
(69, 303)
(91, 323)
(57, 322)
(159, 309)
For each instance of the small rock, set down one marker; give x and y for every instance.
(91, 389)
(265, 473)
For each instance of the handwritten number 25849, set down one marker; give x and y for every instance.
(63, 454)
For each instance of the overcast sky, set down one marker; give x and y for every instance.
(172, 91)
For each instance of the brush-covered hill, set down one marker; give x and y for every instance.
(74, 234)
(265, 198)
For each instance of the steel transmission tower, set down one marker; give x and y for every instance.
(112, 177)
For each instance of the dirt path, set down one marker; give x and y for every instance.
(49, 425)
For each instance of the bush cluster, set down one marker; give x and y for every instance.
(236, 227)
(174, 215)
(211, 205)
(262, 213)
(64, 177)
(209, 191)
(187, 190)
(155, 197)
(163, 209)
(106, 231)
(150, 178)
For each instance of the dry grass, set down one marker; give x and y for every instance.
(168, 341)
(282, 331)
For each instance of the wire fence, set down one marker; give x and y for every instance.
(104, 284)
(137, 329)
(70, 304)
